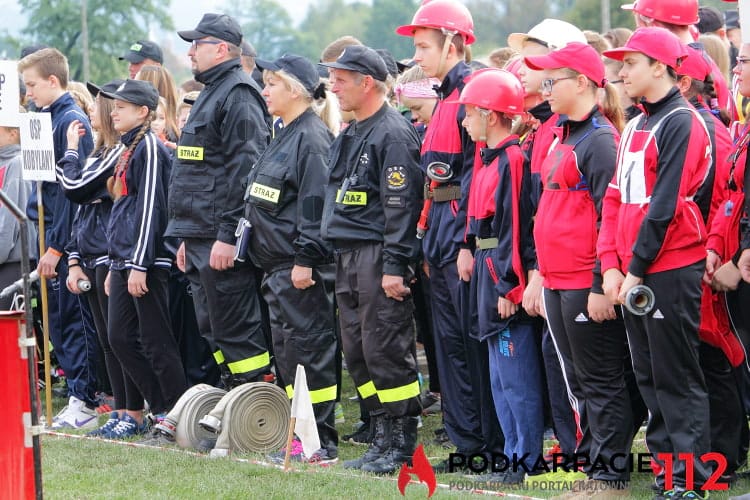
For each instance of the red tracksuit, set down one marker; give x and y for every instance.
(652, 228)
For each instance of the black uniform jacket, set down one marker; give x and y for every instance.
(376, 162)
(284, 196)
(227, 130)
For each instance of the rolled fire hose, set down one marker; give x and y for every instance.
(251, 417)
(182, 420)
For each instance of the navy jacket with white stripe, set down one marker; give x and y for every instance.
(139, 218)
(85, 182)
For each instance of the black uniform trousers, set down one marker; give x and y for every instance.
(228, 312)
(197, 357)
(562, 411)
(739, 314)
(99, 305)
(303, 333)
(377, 333)
(664, 347)
(463, 365)
(596, 356)
(141, 337)
(97, 301)
(726, 408)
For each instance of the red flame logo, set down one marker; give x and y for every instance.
(421, 468)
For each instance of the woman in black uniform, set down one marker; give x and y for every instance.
(284, 205)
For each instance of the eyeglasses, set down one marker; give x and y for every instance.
(548, 83)
(208, 42)
(742, 60)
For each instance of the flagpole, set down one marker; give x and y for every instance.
(45, 311)
(289, 438)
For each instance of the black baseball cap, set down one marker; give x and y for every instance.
(710, 20)
(218, 26)
(142, 50)
(361, 59)
(299, 67)
(110, 86)
(403, 66)
(191, 97)
(732, 19)
(30, 49)
(390, 61)
(138, 92)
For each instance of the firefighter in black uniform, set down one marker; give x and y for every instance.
(370, 211)
(284, 205)
(227, 130)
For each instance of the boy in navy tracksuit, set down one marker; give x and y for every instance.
(499, 211)
(441, 30)
(45, 74)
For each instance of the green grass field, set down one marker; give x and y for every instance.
(85, 468)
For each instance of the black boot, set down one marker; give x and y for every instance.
(381, 432)
(403, 443)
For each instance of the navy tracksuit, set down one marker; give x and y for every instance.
(71, 326)
(462, 362)
(499, 211)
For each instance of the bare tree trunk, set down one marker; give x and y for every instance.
(85, 41)
(606, 25)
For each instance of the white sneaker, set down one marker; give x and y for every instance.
(76, 416)
(61, 413)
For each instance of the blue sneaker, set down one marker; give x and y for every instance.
(110, 424)
(127, 427)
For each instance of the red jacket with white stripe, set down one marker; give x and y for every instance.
(650, 222)
(575, 176)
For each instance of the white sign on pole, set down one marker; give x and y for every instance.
(744, 8)
(9, 94)
(37, 147)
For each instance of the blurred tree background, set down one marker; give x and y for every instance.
(114, 25)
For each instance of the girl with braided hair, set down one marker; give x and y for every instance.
(139, 322)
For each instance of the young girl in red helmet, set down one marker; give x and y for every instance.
(652, 233)
(589, 335)
(500, 214)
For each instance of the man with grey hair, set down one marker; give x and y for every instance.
(369, 214)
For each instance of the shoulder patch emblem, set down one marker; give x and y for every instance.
(396, 178)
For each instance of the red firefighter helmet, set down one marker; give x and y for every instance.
(680, 12)
(495, 89)
(442, 14)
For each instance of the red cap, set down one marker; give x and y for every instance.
(695, 65)
(580, 57)
(657, 43)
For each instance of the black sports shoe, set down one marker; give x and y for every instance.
(361, 435)
(442, 439)
(158, 438)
